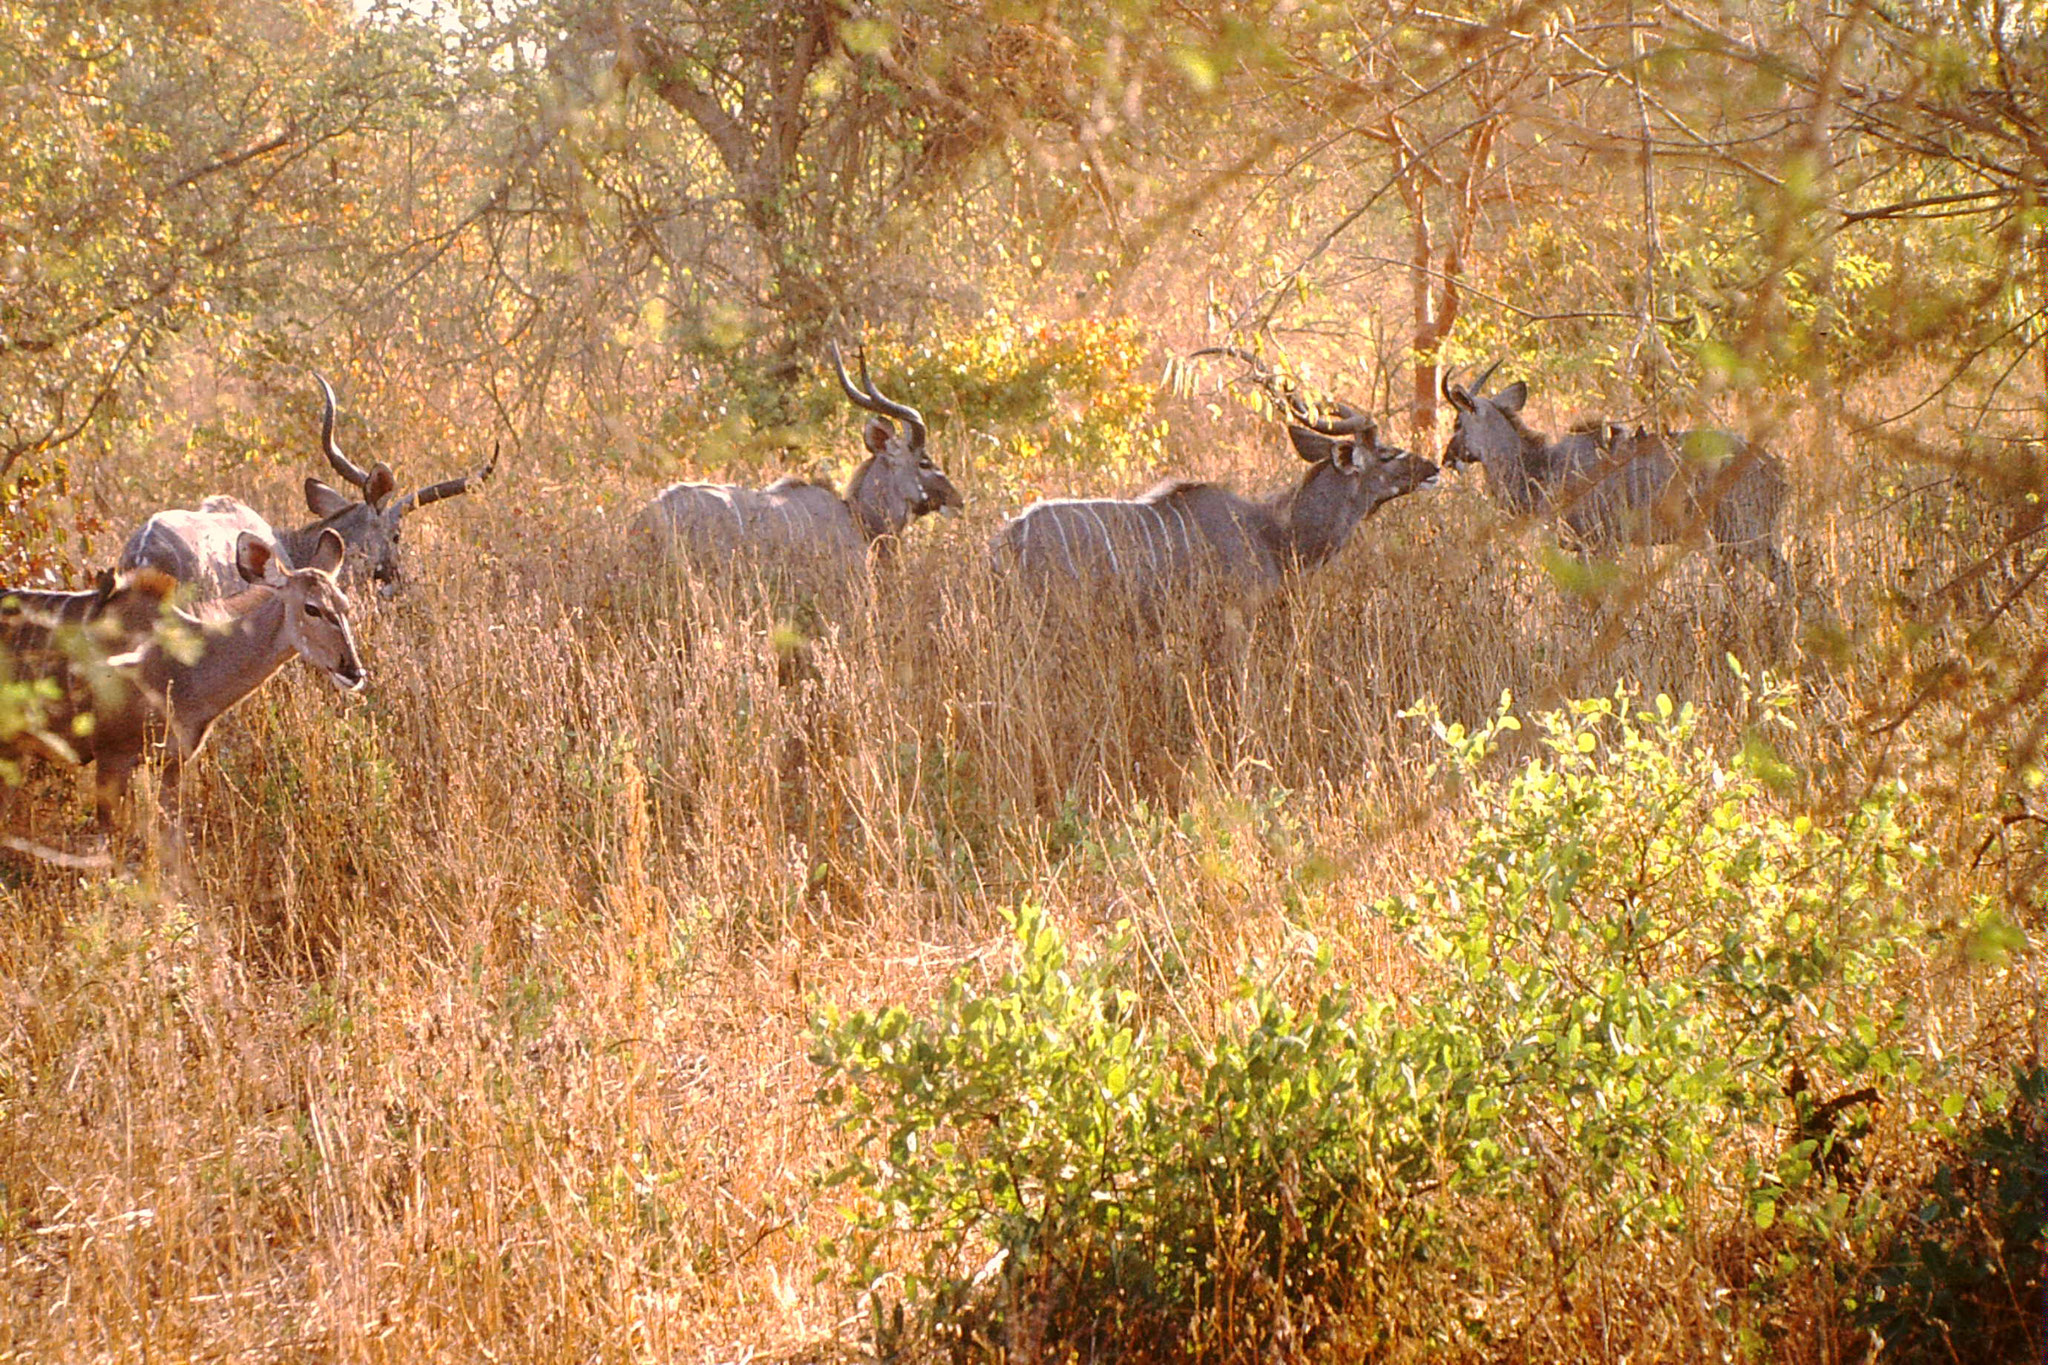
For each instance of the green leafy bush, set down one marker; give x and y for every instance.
(1079, 1173)
(1061, 395)
(1646, 998)
(36, 673)
(1642, 953)
(24, 708)
(1004, 400)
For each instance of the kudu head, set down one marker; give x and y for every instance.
(898, 482)
(370, 527)
(1487, 427)
(316, 611)
(1351, 472)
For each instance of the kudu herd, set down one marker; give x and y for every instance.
(127, 668)
(132, 671)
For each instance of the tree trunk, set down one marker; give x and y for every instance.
(1648, 357)
(758, 148)
(1432, 294)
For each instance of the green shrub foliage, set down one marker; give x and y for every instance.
(1645, 995)
(1101, 1175)
(1063, 396)
(1646, 966)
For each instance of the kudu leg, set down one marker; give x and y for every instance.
(1782, 614)
(112, 774)
(172, 854)
(1780, 573)
(37, 851)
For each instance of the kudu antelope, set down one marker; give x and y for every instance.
(1605, 487)
(799, 526)
(198, 546)
(1182, 534)
(65, 639)
(159, 675)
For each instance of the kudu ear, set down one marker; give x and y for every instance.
(381, 485)
(1511, 398)
(1315, 447)
(256, 561)
(878, 433)
(322, 500)
(327, 555)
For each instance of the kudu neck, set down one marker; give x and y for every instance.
(1302, 529)
(1516, 476)
(300, 543)
(874, 513)
(242, 642)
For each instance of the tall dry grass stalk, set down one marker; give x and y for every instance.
(478, 1028)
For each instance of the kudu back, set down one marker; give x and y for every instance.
(1605, 487)
(53, 608)
(805, 529)
(197, 546)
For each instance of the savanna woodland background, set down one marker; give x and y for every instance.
(1506, 958)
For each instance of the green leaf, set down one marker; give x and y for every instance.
(1994, 938)
(866, 37)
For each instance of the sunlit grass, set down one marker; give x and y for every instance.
(479, 1028)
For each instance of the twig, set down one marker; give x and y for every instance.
(1949, 672)
(233, 159)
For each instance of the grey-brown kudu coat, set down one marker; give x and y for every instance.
(1183, 537)
(1606, 487)
(134, 673)
(797, 527)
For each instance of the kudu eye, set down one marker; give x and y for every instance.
(312, 610)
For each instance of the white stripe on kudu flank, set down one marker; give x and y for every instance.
(732, 505)
(1066, 546)
(1108, 541)
(1151, 551)
(1162, 558)
(1187, 543)
(1165, 552)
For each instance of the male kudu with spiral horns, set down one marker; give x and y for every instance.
(796, 525)
(198, 545)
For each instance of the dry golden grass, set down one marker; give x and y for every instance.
(478, 1029)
